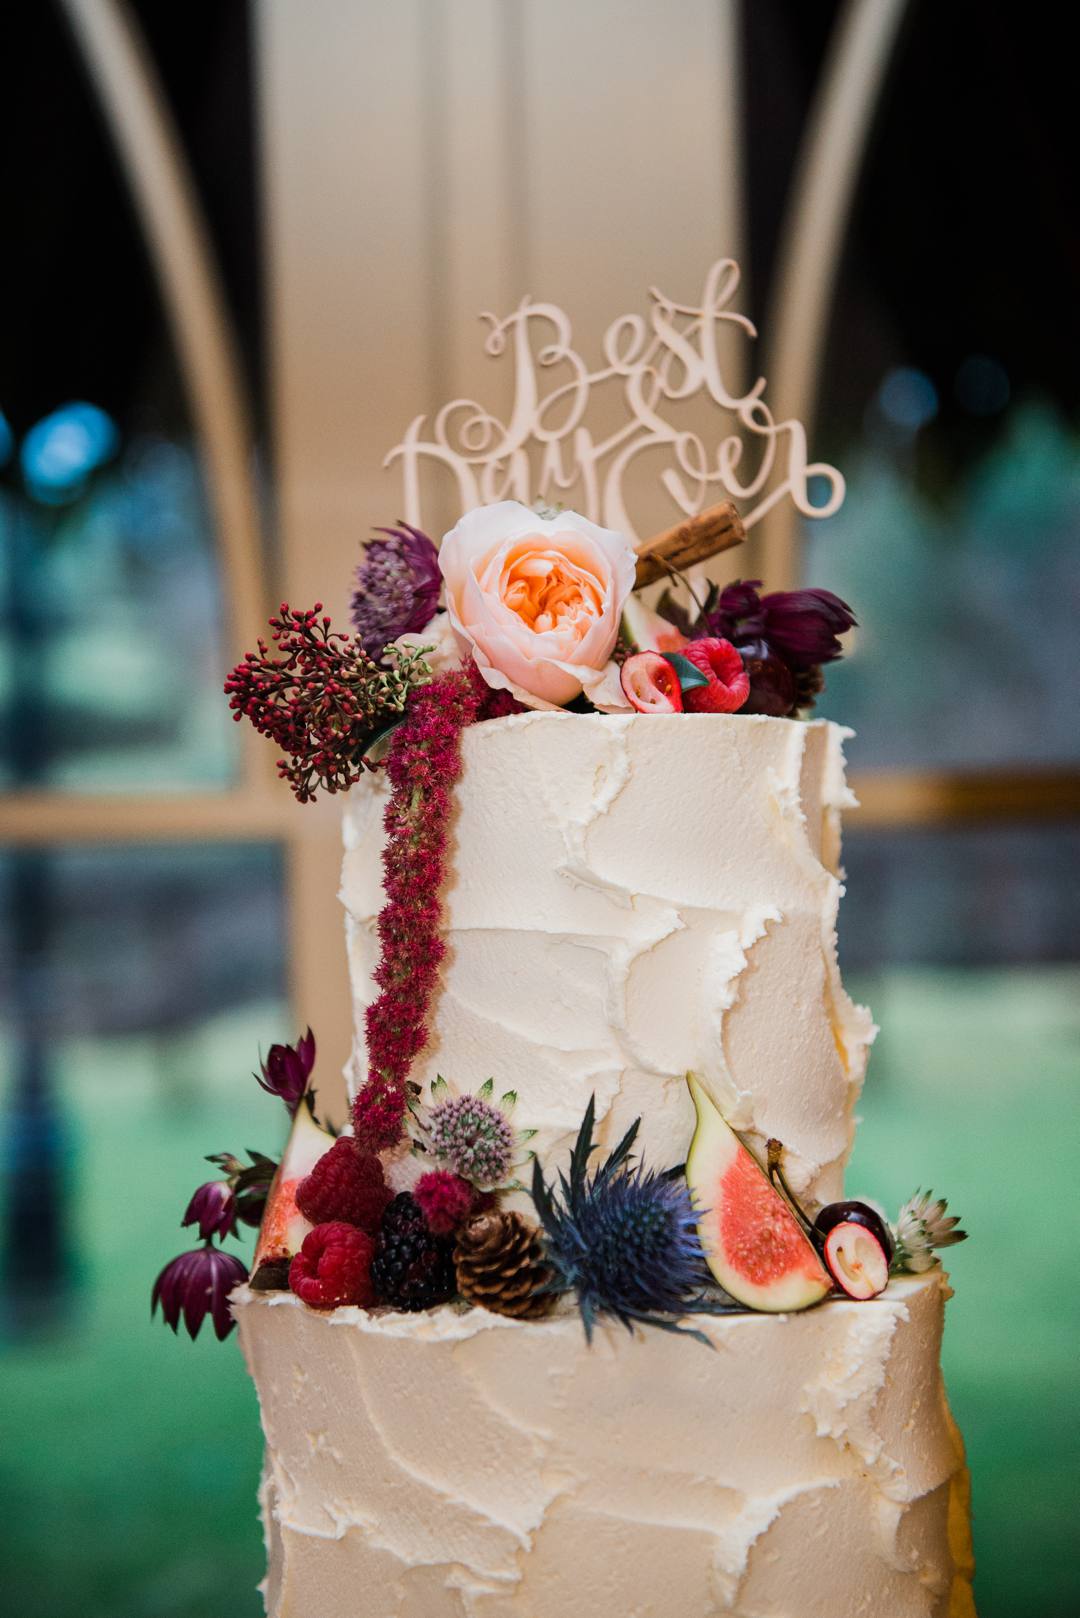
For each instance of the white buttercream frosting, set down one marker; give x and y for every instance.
(633, 897)
(449, 1465)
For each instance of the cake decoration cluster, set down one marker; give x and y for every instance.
(721, 1234)
(528, 609)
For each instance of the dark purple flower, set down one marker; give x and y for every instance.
(397, 587)
(772, 684)
(213, 1209)
(739, 610)
(196, 1284)
(286, 1070)
(803, 625)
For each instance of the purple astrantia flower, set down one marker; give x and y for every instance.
(197, 1284)
(213, 1208)
(397, 587)
(286, 1070)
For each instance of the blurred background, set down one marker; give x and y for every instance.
(245, 244)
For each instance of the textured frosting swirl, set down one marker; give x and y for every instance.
(466, 1466)
(634, 897)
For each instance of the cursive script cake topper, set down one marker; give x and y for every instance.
(545, 448)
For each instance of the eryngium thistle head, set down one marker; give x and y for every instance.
(625, 1240)
(397, 587)
(474, 1137)
(921, 1227)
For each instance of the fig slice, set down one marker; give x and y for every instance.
(284, 1227)
(752, 1241)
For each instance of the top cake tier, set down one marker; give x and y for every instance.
(631, 898)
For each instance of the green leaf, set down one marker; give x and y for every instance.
(690, 676)
(508, 1101)
(486, 1090)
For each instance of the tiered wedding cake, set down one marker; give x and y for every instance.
(630, 898)
(572, 1319)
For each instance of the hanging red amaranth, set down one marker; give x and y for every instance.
(423, 764)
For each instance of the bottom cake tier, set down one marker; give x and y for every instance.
(460, 1465)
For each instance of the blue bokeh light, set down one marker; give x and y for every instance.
(7, 440)
(60, 451)
(907, 398)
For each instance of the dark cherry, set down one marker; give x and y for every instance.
(854, 1213)
(772, 684)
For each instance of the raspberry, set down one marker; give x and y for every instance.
(446, 1200)
(334, 1267)
(345, 1184)
(412, 1269)
(729, 683)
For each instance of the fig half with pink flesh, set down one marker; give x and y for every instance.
(284, 1227)
(752, 1241)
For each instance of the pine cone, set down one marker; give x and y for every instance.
(499, 1260)
(809, 684)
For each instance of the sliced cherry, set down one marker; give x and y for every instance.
(651, 684)
(856, 1259)
(857, 1213)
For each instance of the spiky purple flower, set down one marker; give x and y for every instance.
(624, 1239)
(213, 1208)
(397, 587)
(286, 1070)
(198, 1284)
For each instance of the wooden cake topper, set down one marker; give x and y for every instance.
(545, 447)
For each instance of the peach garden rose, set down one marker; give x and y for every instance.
(536, 601)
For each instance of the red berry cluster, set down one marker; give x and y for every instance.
(344, 1197)
(423, 764)
(321, 699)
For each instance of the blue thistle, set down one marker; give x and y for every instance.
(625, 1240)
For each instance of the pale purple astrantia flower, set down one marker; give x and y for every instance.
(198, 1284)
(286, 1071)
(213, 1209)
(397, 587)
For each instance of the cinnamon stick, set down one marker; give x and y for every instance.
(696, 539)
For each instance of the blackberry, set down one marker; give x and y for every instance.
(403, 1213)
(411, 1269)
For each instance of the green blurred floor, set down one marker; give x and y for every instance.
(130, 1459)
